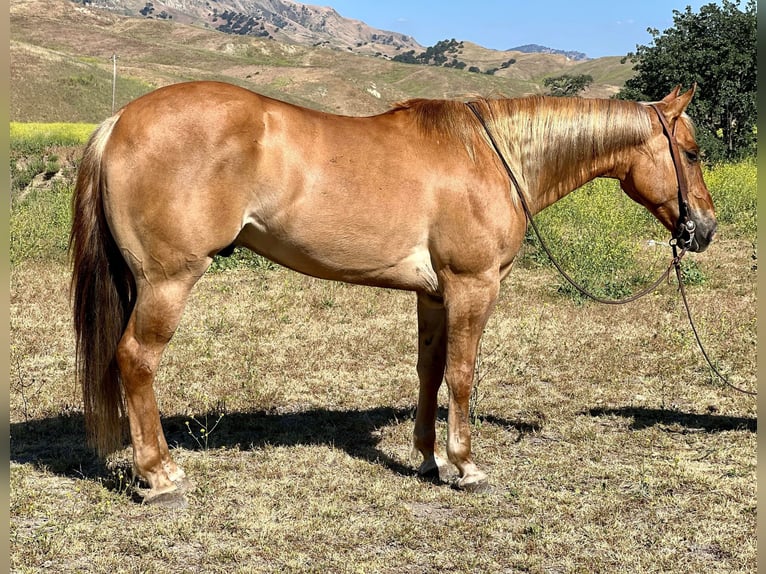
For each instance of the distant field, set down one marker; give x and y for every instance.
(290, 402)
(49, 134)
(55, 132)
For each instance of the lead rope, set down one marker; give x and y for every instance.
(674, 263)
(528, 213)
(682, 290)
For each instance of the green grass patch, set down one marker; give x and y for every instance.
(613, 247)
(39, 225)
(26, 137)
(241, 259)
(36, 149)
(733, 187)
(600, 237)
(41, 214)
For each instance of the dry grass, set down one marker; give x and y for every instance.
(608, 445)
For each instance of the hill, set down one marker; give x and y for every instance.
(281, 20)
(61, 66)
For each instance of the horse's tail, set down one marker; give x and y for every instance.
(102, 290)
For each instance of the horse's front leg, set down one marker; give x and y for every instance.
(432, 351)
(469, 302)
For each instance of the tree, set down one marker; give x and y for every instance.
(568, 85)
(716, 48)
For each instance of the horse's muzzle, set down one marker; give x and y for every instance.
(696, 237)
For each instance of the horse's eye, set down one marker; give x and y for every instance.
(692, 156)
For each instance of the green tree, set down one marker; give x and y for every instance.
(716, 48)
(568, 85)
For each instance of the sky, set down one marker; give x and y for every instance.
(596, 27)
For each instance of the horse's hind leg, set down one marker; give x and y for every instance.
(156, 315)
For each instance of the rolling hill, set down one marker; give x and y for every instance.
(61, 64)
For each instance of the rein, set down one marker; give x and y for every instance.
(682, 238)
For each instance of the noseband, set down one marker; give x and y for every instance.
(685, 228)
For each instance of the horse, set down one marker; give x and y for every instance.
(416, 198)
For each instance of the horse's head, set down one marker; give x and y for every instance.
(668, 181)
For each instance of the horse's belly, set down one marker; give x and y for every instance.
(353, 258)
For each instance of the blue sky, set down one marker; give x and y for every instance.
(596, 27)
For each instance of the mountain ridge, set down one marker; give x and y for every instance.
(291, 21)
(280, 20)
(538, 49)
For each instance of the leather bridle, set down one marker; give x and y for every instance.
(685, 228)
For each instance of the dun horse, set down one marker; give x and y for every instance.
(416, 198)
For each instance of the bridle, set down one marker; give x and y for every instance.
(684, 234)
(682, 238)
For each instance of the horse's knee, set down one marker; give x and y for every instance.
(460, 383)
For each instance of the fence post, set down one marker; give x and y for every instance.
(114, 79)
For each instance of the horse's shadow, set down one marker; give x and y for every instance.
(643, 417)
(57, 444)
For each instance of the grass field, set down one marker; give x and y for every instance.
(290, 403)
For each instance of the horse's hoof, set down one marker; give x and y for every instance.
(437, 470)
(174, 499)
(429, 470)
(474, 484)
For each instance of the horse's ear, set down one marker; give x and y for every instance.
(676, 105)
(672, 95)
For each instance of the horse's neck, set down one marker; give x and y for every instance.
(560, 154)
(551, 183)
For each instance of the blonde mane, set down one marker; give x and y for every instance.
(540, 135)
